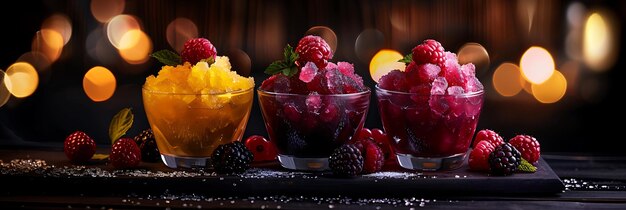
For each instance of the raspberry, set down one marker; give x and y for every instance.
(197, 49)
(261, 148)
(528, 146)
(479, 157)
(373, 156)
(346, 161)
(125, 153)
(490, 136)
(79, 147)
(147, 145)
(313, 49)
(504, 160)
(382, 140)
(394, 80)
(430, 51)
(232, 158)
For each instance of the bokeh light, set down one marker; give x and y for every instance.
(575, 14)
(135, 47)
(537, 65)
(368, 43)
(118, 26)
(326, 33)
(179, 31)
(104, 10)
(240, 61)
(21, 79)
(36, 59)
(59, 23)
(99, 84)
(599, 47)
(385, 61)
(49, 43)
(476, 54)
(4, 92)
(552, 90)
(506, 79)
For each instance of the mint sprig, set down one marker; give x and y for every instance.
(287, 66)
(167, 57)
(527, 167)
(407, 58)
(120, 123)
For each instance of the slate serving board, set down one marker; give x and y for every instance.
(269, 179)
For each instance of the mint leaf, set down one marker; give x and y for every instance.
(167, 57)
(120, 123)
(209, 60)
(287, 66)
(407, 58)
(100, 157)
(525, 166)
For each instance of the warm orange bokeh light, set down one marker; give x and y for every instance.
(506, 79)
(59, 23)
(4, 91)
(135, 47)
(21, 79)
(99, 84)
(118, 26)
(326, 33)
(537, 65)
(179, 31)
(385, 61)
(552, 90)
(476, 54)
(49, 43)
(104, 10)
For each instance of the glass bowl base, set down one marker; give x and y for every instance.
(186, 162)
(429, 163)
(303, 164)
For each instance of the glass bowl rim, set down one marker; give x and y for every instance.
(194, 94)
(265, 92)
(467, 95)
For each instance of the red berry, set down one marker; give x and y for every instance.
(125, 153)
(528, 146)
(430, 51)
(364, 133)
(313, 49)
(79, 147)
(488, 135)
(373, 157)
(479, 157)
(197, 49)
(261, 148)
(383, 142)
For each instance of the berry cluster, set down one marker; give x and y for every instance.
(368, 152)
(492, 154)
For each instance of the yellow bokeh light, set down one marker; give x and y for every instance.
(99, 84)
(49, 43)
(385, 61)
(4, 92)
(598, 43)
(21, 79)
(537, 65)
(476, 54)
(179, 31)
(552, 90)
(135, 47)
(505, 79)
(59, 23)
(104, 10)
(118, 26)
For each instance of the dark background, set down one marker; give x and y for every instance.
(59, 106)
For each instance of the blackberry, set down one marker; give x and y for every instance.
(232, 158)
(346, 161)
(147, 144)
(504, 160)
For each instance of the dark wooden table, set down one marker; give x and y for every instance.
(591, 183)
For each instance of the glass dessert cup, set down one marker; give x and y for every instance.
(188, 127)
(429, 132)
(306, 129)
